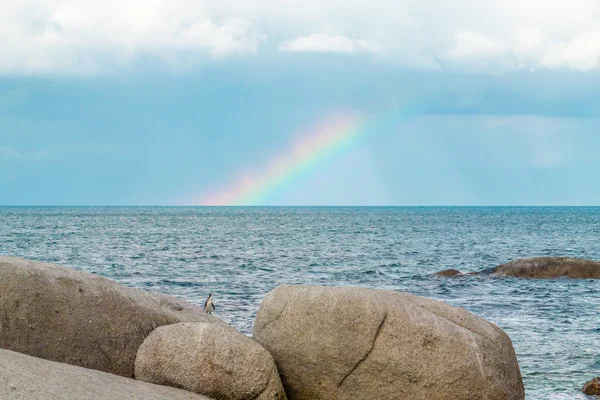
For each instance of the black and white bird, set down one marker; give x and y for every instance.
(209, 306)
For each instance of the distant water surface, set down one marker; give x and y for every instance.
(240, 254)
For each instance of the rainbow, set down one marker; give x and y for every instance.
(314, 147)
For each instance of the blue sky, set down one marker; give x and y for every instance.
(149, 103)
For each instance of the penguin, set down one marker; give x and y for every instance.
(209, 306)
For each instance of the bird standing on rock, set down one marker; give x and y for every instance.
(209, 306)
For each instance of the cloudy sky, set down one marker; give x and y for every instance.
(171, 102)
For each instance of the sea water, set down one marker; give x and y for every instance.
(240, 254)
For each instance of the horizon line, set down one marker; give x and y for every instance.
(299, 206)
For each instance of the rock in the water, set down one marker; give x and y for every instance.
(209, 359)
(355, 343)
(548, 268)
(78, 318)
(592, 388)
(448, 272)
(23, 377)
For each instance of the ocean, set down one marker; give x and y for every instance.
(241, 253)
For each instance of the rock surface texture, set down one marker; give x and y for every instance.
(209, 359)
(548, 268)
(592, 388)
(355, 343)
(77, 318)
(23, 377)
(449, 273)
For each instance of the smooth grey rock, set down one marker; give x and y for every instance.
(355, 343)
(209, 359)
(69, 316)
(23, 377)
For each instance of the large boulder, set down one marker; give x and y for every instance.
(548, 267)
(356, 343)
(23, 377)
(68, 316)
(592, 388)
(209, 359)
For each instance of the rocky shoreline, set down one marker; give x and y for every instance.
(66, 334)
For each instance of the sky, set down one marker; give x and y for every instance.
(239, 102)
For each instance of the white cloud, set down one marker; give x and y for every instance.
(473, 45)
(89, 36)
(321, 43)
(527, 41)
(580, 53)
(477, 51)
(528, 49)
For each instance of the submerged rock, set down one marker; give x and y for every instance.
(548, 268)
(24, 377)
(592, 388)
(355, 343)
(538, 268)
(448, 272)
(78, 318)
(211, 360)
